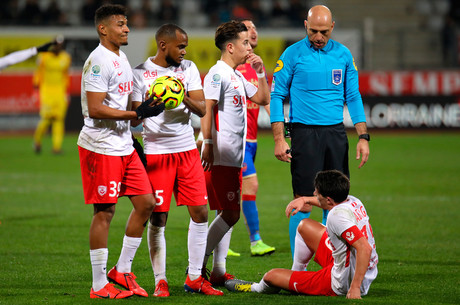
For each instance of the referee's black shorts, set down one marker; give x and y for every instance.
(316, 148)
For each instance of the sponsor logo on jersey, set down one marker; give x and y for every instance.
(125, 87)
(102, 190)
(279, 66)
(337, 76)
(150, 74)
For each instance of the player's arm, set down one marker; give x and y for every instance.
(282, 149)
(363, 256)
(262, 96)
(300, 204)
(207, 151)
(194, 100)
(97, 110)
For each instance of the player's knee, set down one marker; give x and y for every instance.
(305, 226)
(270, 277)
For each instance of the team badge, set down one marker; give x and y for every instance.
(337, 76)
(279, 66)
(349, 236)
(102, 190)
(231, 196)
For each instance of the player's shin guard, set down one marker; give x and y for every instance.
(302, 254)
(197, 235)
(157, 248)
(252, 216)
(293, 223)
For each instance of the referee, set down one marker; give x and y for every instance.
(319, 76)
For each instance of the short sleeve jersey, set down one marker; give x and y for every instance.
(171, 131)
(252, 108)
(342, 222)
(318, 82)
(229, 88)
(105, 71)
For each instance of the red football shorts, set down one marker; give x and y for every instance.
(224, 187)
(105, 178)
(316, 282)
(180, 173)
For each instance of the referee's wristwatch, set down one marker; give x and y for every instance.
(365, 136)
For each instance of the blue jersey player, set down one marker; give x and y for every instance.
(318, 76)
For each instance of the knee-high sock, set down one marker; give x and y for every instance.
(157, 250)
(130, 246)
(220, 254)
(57, 135)
(41, 130)
(98, 259)
(252, 216)
(197, 234)
(302, 254)
(262, 287)
(216, 231)
(293, 223)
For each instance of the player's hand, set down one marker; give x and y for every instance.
(296, 205)
(45, 47)
(256, 62)
(354, 293)
(207, 156)
(153, 106)
(362, 151)
(283, 152)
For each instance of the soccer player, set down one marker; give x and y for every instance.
(250, 182)
(319, 76)
(173, 162)
(224, 132)
(19, 56)
(344, 248)
(110, 167)
(52, 79)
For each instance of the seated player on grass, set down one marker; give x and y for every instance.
(345, 247)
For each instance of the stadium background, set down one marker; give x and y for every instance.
(407, 51)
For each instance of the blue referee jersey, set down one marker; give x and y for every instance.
(317, 82)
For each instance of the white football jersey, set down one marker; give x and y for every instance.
(229, 88)
(341, 218)
(171, 131)
(105, 71)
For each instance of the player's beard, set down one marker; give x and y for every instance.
(172, 62)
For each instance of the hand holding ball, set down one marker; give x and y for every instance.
(169, 89)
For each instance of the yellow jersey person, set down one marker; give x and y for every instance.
(52, 80)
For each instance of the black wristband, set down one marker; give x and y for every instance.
(365, 136)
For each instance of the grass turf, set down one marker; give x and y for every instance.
(409, 186)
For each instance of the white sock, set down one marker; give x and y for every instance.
(220, 254)
(197, 235)
(98, 259)
(216, 231)
(157, 250)
(130, 246)
(302, 254)
(263, 287)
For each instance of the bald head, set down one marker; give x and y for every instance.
(319, 26)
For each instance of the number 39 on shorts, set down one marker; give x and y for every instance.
(114, 188)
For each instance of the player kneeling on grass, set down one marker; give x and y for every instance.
(345, 247)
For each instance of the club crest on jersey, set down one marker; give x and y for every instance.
(102, 190)
(349, 236)
(337, 76)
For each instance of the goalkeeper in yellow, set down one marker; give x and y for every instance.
(52, 79)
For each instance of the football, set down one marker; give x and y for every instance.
(170, 89)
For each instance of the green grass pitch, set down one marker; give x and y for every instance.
(410, 186)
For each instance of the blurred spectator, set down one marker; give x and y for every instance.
(87, 11)
(296, 12)
(258, 14)
(168, 12)
(278, 14)
(149, 14)
(53, 15)
(9, 13)
(137, 19)
(240, 11)
(31, 14)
